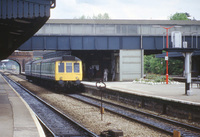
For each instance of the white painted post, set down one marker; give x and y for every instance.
(188, 91)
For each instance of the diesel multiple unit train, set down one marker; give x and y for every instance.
(60, 72)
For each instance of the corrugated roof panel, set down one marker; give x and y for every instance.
(14, 9)
(30, 10)
(20, 9)
(42, 12)
(0, 8)
(36, 10)
(24, 8)
(3, 9)
(19, 20)
(9, 8)
(47, 11)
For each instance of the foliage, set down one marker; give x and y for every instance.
(158, 65)
(156, 78)
(104, 16)
(175, 66)
(154, 65)
(180, 16)
(101, 16)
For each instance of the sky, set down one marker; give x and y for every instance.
(125, 9)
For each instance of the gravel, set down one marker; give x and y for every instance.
(90, 116)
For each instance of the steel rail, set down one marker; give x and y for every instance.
(65, 123)
(149, 114)
(158, 122)
(181, 126)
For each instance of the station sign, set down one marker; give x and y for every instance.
(166, 57)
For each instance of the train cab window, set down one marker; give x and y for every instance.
(61, 67)
(69, 67)
(76, 67)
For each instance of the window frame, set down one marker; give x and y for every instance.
(76, 67)
(63, 67)
(69, 66)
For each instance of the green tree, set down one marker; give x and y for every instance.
(175, 66)
(104, 16)
(82, 17)
(154, 65)
(158, 65)
(101, 16)
(180, 16)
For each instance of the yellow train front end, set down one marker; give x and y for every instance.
(68, 72)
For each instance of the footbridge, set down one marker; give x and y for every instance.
(62, 34)
(118, 45)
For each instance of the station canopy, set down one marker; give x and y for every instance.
(20, 20)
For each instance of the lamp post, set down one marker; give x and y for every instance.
(167, 37)
(166, 57)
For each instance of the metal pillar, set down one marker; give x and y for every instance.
(188, 91)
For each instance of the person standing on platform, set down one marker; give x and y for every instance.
(95, 72)
(105, 75)
(90, 73)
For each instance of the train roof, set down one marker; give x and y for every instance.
(63, 58)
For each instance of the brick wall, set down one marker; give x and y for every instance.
(22, 58)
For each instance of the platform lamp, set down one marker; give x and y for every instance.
(167, 37)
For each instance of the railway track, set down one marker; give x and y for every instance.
(154, 121)
(151, 120)
(59, 124)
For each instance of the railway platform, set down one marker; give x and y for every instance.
(16, 118)
(170, 92)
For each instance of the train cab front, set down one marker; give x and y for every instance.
(69, 74)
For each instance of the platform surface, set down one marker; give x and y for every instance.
(175, 92)
(15, 118)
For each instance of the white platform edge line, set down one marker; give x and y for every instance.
(38, 125)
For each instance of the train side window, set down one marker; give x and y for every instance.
(76, 68)
(53, 68)
(61, 67)
(69, 67)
